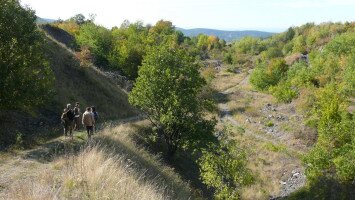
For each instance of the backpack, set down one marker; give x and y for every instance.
(70, 115)
(96, 115)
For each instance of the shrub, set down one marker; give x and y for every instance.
(264, 77)
(223, 168)
(284, 92)
(332, 156)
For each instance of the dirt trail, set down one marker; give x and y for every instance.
(291, 173)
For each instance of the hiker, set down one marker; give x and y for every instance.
(77, 116)
(95, 114)
(67, 119)
(88, 121)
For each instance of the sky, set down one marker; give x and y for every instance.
(265, 15)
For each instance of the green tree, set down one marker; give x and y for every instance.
(249, 45)
(290, 34)
(167, 91)
(78, 19)
(99, 41)
(25, 76)
(129, 47)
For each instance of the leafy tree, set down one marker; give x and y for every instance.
(25, 76)
(249, 45)
(290, 34)
(164, 32)
(167, 91)
(99, 41)
(129, 47)
(78, 19)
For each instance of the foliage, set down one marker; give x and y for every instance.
(290, 34)
(224, 169)
(332, 156)
(266, 75)
(25, 77)
(166, 90)
(249, 45)
(228, 58)
(97, 39)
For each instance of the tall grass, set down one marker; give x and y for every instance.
(112, 166)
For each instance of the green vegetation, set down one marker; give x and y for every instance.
(315, 65)
(167, 92)
(224, 168)
(333, 155)
(25, 78)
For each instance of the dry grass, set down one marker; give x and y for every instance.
(227, 80)
(269, 164)
(112, 166)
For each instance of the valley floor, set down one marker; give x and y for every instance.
(272, 134)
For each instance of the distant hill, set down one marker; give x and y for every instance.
(226, 35)
(44, 20)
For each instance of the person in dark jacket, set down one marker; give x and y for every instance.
(96, 116)
(67, 119)
(77, 116)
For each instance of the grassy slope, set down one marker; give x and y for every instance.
(73, 83)
(112, 166)
(86, 85)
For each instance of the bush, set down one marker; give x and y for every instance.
(264, 77)
(223, 168)
(284, 92)
(333, 156)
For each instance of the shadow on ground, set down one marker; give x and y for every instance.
(57, 148)
(141, 164)
(324, 188)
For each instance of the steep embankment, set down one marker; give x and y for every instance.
(87, 85)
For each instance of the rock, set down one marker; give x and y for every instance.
(282, 182)
(296, 174)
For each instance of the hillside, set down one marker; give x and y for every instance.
(225, 35)
(73, 83)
